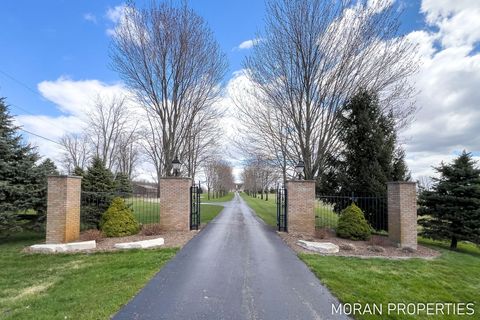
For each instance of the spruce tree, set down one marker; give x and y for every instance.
(97, 192)
(98, 177)
(370, 156)
(451, 210)
(123, 184)
(43, 170)
(17, 167)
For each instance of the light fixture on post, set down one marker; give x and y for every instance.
(299, 168)
(176, 166)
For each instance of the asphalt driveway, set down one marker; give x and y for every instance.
(235, 268)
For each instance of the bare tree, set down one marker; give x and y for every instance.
(76, 151)
(108, 124)
(168, 57)
(128, 151)
(313, 56)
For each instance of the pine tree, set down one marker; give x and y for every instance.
(98, 177)
(370, 156)
(77, 171)
(17, 167)
(123, 184)
(97, 193)
(43, 170)
(451, 210)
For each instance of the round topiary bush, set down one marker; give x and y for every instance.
(352, 224)
(118, 220)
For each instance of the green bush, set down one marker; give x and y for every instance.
(353, 225)
(118, 220)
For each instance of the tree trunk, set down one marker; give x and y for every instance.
(266, 196)
(453, 244)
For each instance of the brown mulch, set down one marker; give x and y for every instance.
(173, 239)
(363, 249)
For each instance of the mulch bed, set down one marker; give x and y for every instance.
(376, 247)
(173, 239)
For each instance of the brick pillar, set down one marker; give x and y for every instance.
(301, 206)
(175, 204)
(63, 209)
(402, 214)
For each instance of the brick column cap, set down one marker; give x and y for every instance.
(175, 178)
(301, 181)
(401, 182)
(64, 176)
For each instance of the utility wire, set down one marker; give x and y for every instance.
(23, 84)
(39, 136)
(25, 110)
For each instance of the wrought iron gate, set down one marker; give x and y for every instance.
(281, 200)
(195, 206)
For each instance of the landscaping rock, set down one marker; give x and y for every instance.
(347, 247)
(322, 247)
(376, 249)
(141, 244)
(408, 250)
(63, 247)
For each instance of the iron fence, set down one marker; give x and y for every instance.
(145, 207)
(329, 207)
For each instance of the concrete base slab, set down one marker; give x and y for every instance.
(322, 247)
(63, 247)
(144, 244)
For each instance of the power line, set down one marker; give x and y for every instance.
(39, 136)
(23, 84)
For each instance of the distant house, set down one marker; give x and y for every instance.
(145, 189)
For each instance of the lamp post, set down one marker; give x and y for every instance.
(176, 166)
(299, 168)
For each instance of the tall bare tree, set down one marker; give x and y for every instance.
(313, 56)
(108, 124)
(169, 58)
(76, 151)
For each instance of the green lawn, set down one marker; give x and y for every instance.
(208, 212)
(266, 210)
(226, 198)
(453, 277)
(71, 286)
(146, 210)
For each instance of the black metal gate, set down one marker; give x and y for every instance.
(195, 206)
(281, 200)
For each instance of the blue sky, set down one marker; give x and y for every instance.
(58, 50)
(57, 38)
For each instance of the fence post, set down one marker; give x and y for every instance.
(402, 214)
(63, 209)
(175, 203)
(301, 206)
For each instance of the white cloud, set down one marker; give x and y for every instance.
(90, 17)
(77, 97)
(379, 5)
(448, 119)
(248, 44)
(116, 16)
(73, 99)
(457, 21)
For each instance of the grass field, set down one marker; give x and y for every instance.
(208, 212)
(266, 210)
(148, 210)
(226, 198)
(453, 277)
(71, 286)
